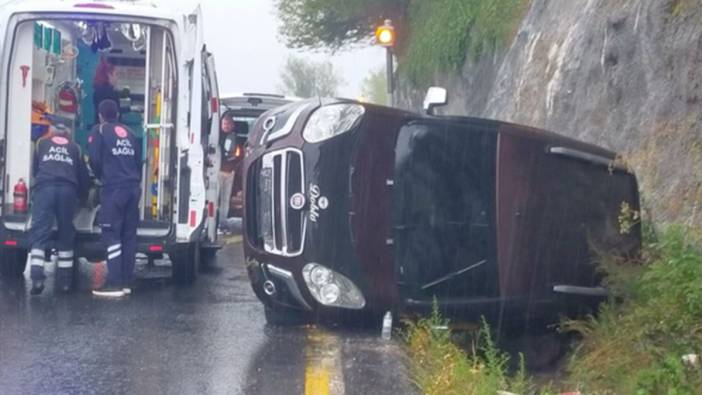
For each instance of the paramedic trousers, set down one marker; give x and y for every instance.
(56, 201)
(226, 182)
(119, 218)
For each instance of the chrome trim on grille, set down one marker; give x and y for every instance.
(289, 280)
(279, 221)
(286, 129)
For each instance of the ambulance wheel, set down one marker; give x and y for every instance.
(186, 264)
(13, 262)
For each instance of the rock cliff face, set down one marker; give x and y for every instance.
(626, 75)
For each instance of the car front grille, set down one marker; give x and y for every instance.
(272, 224)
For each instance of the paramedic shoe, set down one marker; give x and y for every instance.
(108, 292)
(37, 287)
(64, 279)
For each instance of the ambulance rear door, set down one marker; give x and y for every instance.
(211, 143)
(191, 187)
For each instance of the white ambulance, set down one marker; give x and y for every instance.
(167, 87)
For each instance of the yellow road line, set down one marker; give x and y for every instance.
(323, 369)
(236, 239)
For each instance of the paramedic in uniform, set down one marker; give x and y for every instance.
(60, 176)
(115, 157)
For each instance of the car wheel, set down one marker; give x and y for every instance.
(208, 256)
(186, 264)
(13, 262)
(287, 317)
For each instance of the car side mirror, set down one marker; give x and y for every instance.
(436, 97)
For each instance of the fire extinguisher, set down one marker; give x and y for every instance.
(20, 197)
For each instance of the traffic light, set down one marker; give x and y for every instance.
(385, 34)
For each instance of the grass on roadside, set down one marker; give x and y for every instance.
(635, 345)
(440, 367)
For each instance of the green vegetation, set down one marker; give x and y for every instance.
(681, 7)
(432, 35)
(374, 88)
(636, 344)
(304, 78)
(440, 367)
(636, 347)
(334, 24)
(444, 32)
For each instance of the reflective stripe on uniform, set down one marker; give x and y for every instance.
(65, 254)
(114, 254)
(113, 248)
(65, 259)
(36, 257)
(36, 261)
(65, 264)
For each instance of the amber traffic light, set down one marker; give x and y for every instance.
(385, 34)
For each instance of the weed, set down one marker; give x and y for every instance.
(441, 367)
(628, 218)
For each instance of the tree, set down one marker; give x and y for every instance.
(307, 79)
(374, 87)
(333, 24)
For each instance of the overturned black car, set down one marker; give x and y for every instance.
(356, 207)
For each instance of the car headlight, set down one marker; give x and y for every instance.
(331, 288)
(331, 121)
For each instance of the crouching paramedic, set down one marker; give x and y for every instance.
(115, 157)
(60, 177)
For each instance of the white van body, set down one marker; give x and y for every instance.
(182, 160)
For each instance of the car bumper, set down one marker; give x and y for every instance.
(152, 239)
(277, 287)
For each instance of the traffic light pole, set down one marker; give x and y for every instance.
(390, 77)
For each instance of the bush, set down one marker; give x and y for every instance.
(443, 32)
(441, 367)
(636, 346)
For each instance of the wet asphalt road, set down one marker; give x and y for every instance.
(207, 338)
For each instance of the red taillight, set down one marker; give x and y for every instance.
(155, 248)
(214, 104)
(95, 5)
(11, 243)
(210, 209)
(193, 218)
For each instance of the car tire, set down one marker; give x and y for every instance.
(186, 264)
(287, 317)
(13, 262)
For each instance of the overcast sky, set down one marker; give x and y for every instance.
(243, 35)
